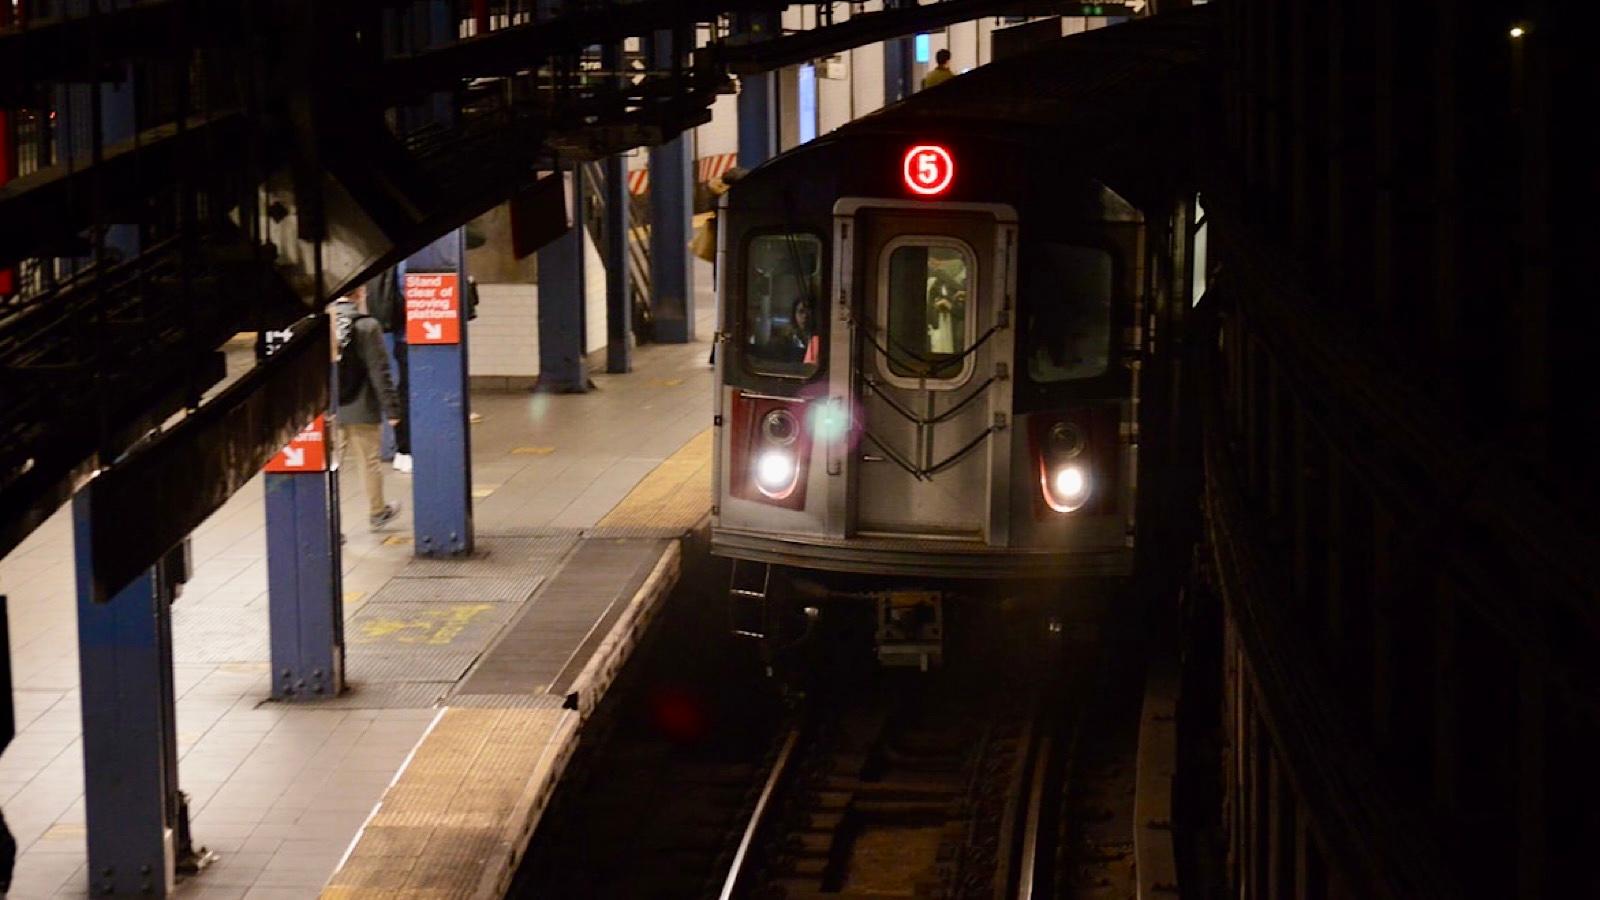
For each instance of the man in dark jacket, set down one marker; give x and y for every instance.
(386, 303)
(364, 359)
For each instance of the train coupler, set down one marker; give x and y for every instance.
(910, 628)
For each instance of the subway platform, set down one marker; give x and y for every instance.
(469, 678)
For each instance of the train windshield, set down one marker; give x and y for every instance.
(1069, 312)
(783, 291)
(929, 283)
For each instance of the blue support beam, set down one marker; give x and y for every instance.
(619, 307)
(758, 121)
(671, 211)
(563, 368)
(305, 593)
(124, 661)
(441, 445)
(897, 81)
(619, 304)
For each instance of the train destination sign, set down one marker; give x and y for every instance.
(928, 169)
(433, 308)
(307, 452)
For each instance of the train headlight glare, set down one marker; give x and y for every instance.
(1068, 488)
(775, 471)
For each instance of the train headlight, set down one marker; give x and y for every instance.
(779, 427)
(1067, 487)
(775, 473)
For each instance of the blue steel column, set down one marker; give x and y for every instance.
(619, 308)
(562, 366)
(127, 708)
(305, 591)
(441, 444)
(758, 124)
(897, 55)
(671, 208)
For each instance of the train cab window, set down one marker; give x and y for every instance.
(1069, 312)
(928, 284)
(783, 299)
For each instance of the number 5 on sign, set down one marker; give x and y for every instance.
(928, 169)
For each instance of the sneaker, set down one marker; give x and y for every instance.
(402, 463)
(383, 518)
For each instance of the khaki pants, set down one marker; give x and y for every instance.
(363, 441)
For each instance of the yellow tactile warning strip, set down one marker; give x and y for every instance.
(457, 817)
(676, 496)
(459, 812)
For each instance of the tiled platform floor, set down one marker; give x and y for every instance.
(278, 791)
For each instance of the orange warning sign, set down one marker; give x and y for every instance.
(308, 452)
(433, 308)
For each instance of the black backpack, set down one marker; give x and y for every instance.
(352, 370)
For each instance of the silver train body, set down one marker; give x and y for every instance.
(932, 329)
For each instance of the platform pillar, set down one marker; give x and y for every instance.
(897, 58)
(758, 122)
(619, 304)
(137, 821)
(441, 445)
(671, 209)
(563, 368)
(305, 593)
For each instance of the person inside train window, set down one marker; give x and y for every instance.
(782, 283)
(928, 287)
(1068, 339)
(799, 342)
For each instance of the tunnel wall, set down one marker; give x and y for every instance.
(1400, 491)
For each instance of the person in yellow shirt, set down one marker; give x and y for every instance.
(941, 72)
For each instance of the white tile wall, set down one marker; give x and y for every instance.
(505, 336)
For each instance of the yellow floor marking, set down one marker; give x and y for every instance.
(532, 451)
(439, 626)
(64, 832)
(480, 491)
(666, 382)
(397, 539)
(353, 596)
(676, 494)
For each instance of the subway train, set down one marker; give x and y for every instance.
(939, 324)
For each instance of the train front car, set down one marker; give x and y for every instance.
(921, 373)
(931, 354)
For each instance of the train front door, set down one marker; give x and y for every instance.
(930, 328)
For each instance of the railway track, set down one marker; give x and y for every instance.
(890, 783)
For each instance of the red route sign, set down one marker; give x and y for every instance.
(928, 169)
(308, 452)
(433, 308)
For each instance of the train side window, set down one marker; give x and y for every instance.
(783, 295)
(1069, 312)
(927, 292)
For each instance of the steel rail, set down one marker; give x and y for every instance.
(738, 871)
(1031, 824)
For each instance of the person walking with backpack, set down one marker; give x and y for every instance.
(367, 397)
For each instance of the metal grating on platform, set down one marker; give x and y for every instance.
(574, 611)
(418, 641)
(383, 695)
(465, 589)
(501, 555)
(422, 664)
